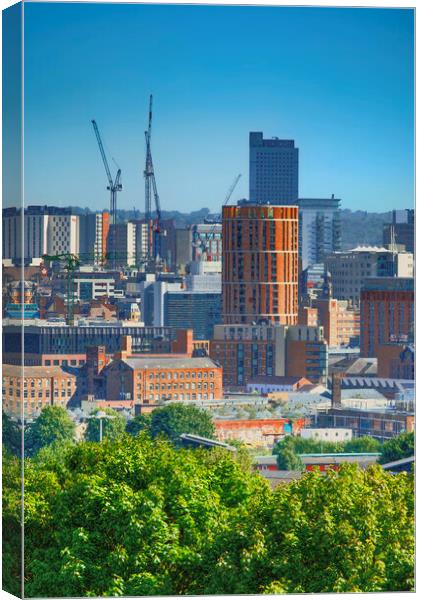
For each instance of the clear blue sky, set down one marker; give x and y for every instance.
(338, 81)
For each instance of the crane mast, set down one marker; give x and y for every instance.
(153, 229)
(114, 187)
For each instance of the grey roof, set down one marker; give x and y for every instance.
(169, 362)
(275, 380)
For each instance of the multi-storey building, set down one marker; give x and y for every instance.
(387, 312)
(401, 229)
(260, 263)
(122, 242)
(93, 234)
(349, 270)
(273, 170)
(153, 379)
(319, 229)
(396, 361)
(197, 310)
(45, 229)
(45, 337)
(265, 350)
(63, 234)
(206, 240)
(26, 392)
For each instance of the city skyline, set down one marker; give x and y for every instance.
(350, 112)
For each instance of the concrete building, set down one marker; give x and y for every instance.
(387, 312)
(349, 270)
(122, 241)
(269, 384)
(26, 392)
(382, 423)
(319, 229)
(93, 234)
(260, 263)
(273, 170)
(197, 310)
(206, 240)
(326, 434)
(50, 337)
(266, 350)
(401, 229)
(46, 229)
(92, 285)
(63, 234)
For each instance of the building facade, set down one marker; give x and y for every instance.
(266, 350)
(319, 229)
(165, 378)
(206, 240)
(27, 392)
(387, 312)
(260, 264)
(350, 269)
(402, 229)
(273, 170)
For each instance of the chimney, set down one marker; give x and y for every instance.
(183, 344)
(337, 389)
(126, 348)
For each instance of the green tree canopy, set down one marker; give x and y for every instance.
(11, 435)
(288, 449)
(138, 424)
(53, 425)
(173, 420)
(112, 427)
(137, 516)
(398, 447)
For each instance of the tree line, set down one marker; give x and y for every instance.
(138, 516)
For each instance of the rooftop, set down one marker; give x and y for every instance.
(169, 362)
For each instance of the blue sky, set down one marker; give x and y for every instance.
(338, 81)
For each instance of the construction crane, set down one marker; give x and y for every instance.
(114, 186)
(202, 243)
(154, 230)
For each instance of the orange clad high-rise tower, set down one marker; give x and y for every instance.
(260, 263)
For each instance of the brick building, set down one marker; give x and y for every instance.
(396, 361)
(266, 350)
(35, 388)
(260, 263)
(150, 379)
(387, 312)
(257, 432)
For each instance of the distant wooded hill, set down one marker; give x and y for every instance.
(358, 227)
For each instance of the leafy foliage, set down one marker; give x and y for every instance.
(138, 424)
(112, 428)
(11, 523)
(11, 435)
(52, 425)
(173, 420)
(137, 516)
(401, 446)
(288, 449)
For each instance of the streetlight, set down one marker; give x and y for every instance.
(101, 415)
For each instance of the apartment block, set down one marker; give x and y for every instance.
(260, 263)
(387, 312)
(266, 350)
